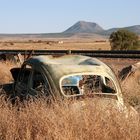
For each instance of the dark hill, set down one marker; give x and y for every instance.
(84, 27)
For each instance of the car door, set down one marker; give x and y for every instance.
(22, 83)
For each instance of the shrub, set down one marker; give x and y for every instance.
(124, 40)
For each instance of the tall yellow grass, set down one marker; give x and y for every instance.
(38, 121)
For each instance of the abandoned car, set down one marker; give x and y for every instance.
(66, 76)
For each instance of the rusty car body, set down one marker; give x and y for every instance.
(65, 77)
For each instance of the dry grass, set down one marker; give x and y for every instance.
(67, 45)
(59, 121)
(5, 75)
(37, 121)
(131, 91)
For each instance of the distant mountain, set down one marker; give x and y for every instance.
(84, 27)
(81, 29)
(135, 29)
(94, 28)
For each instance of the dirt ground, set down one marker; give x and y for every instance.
(55, 45)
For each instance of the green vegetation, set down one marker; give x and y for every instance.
(124, 40)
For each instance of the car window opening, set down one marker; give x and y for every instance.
(87, 84)
(39, 84)
(25, 73)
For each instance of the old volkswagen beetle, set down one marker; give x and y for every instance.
(65, 77)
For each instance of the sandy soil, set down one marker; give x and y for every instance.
(64, 45)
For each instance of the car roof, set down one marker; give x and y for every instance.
(57, 68)
(70, 64)
(66, 60)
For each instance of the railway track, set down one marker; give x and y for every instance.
(93, 53)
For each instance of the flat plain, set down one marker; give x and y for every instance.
(59, 44)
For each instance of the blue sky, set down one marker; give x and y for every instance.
(45, 16)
